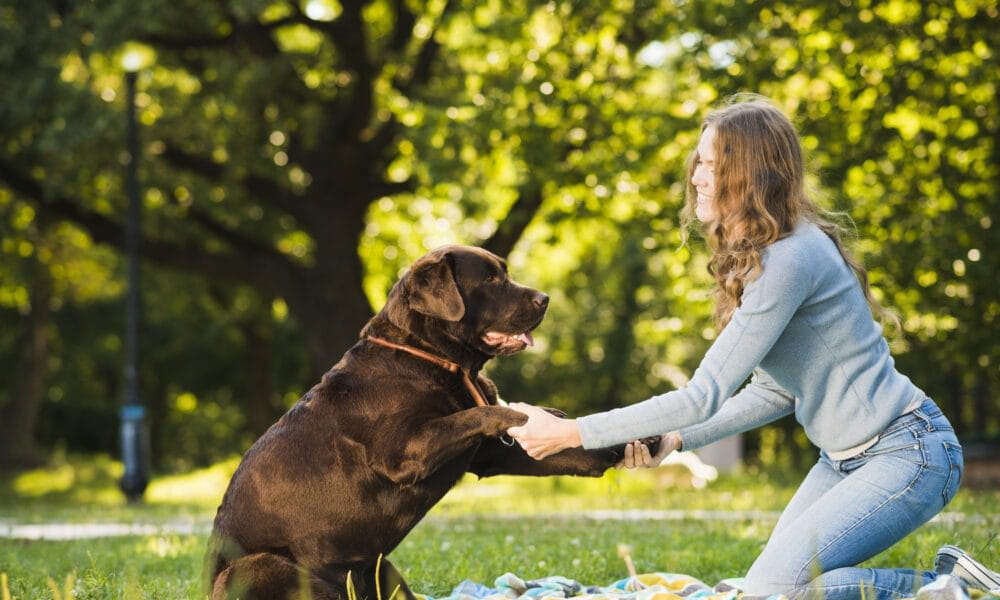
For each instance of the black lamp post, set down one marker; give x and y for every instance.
(134, 431)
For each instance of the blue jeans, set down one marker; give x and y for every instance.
(846, 512)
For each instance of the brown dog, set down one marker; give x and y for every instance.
(349, 470)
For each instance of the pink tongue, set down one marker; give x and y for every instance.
(526, 338)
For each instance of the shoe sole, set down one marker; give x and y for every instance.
(983, 578)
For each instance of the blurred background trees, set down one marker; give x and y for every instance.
(298, 155)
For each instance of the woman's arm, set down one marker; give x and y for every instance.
(759, 403)
(768, 304)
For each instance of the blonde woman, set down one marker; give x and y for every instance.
(795, 311)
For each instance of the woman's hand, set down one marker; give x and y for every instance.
(544, 434)
(637, 454)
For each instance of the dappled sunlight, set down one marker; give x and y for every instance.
(76, 483)
(670, 488)
(170, 546)
(40, 482)
(201, 486)
(90, 481)
(87, 487)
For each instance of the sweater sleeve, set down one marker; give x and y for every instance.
(767, 305)
(759, 403)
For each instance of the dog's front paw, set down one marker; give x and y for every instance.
(510, 418)
(653, 443)
(617, 453)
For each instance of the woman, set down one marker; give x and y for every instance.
(794, 310)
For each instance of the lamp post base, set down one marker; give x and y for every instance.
(135, 451)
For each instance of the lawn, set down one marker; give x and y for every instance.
(482, 529)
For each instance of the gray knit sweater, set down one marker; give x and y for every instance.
(805, 331)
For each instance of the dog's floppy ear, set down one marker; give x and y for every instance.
(433, 291)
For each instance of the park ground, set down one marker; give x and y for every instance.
(531, 527)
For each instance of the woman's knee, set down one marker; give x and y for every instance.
(771, 575)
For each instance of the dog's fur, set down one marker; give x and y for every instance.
(348, 471)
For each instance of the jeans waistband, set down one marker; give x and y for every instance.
(927, 416)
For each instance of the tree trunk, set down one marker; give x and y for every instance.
(260, 390)
(329, 300)
(18, 447)
(957, 415)
(620, 341)
(154, 396)
(981, 401)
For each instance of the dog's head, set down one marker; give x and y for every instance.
(465, 294)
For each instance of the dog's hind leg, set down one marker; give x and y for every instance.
(265, 576)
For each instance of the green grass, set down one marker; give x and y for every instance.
(127, 567)
(481, 530)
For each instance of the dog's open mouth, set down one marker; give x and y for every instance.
(507, 343)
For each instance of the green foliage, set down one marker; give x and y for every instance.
(291, 172)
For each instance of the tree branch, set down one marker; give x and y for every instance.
(232, 237)
(256, 36)
(262, 270)
(184, 43)
(402, 30)
(391, 188)
(528, 202)
(258, 187)
(527, 205)
(202, 165)
(382, 138)
(420, 72)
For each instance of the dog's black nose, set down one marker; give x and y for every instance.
(540, 300)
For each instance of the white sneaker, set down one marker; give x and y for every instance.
(945, 587)
(954, 560)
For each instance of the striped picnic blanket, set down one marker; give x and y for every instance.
(655, 586)
(648, 586)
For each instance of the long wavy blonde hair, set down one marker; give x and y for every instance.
(760, 194)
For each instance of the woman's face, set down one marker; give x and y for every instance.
(703, 177)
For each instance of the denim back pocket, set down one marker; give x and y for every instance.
(956, 464)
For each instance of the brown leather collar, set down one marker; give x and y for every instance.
(445, 364)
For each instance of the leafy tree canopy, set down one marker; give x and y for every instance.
(296, 156)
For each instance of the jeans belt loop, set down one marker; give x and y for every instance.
(927, 420)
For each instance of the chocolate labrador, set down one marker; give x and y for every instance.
(349, 470)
